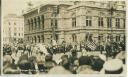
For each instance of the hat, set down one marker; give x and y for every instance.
(114, 66)
(58, 70)
(48, 57)
(102, 57)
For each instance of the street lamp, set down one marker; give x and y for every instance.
(111, 9)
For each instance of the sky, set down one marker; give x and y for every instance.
(16, 6)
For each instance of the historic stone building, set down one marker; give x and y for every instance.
(13, 29)
(76, 22)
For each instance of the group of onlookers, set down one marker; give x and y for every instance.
(33, 59)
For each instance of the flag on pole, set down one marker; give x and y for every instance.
(91, 45)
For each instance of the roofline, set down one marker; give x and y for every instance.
(35, 8)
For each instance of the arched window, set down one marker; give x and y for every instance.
(35, 23)
(14, 23)
(29, 26)
(73, 20)
(35, 39)
(38, 22)
(42, 36)
(117, 38)
(39, 39)
(74, 38)
(32, 40)
(56, 37)
(32, 24)
(42, 19)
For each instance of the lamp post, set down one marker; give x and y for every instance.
(111, 9)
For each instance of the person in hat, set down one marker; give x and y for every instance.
(24, 64)
(49, 62)
(65, 62)
(97, 63)
(113, 66)
(108, 49)
(121, 55)
(33, 64)
(73, 56)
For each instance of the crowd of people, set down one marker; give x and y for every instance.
(63, 59)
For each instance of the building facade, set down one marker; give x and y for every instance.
(13, 29)
(76, 22)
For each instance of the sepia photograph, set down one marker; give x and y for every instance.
(63, 37)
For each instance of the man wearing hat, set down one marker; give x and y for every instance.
(113, 66)
(65, 62)
(49, 62)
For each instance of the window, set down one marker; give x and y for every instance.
(19, 34)
(56, 25)
(117, 38)
(100, 37)
(117, 23)
(42, 38)
(29, 25)
(109, 37)
(100, 21)
(38, 22)
(35, 23)
(28, 38)
(14, 34)
(124, 22)
(88, 21)
(74, 22)
(42, 19)
(32, 24)
(51, 22)
(39, 39)
(55, 11)
(9, 23)
(88, 37)
(109, 22)
(56, 37)
(74, 38)
(35, 39)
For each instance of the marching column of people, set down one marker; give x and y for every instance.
(72, 59)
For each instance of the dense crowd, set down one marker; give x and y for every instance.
(63, 59)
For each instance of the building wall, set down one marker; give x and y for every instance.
(80, 11)
(13, 28)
